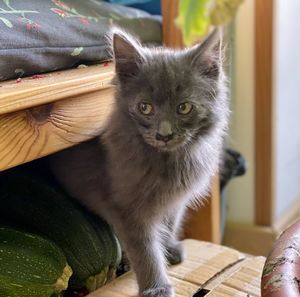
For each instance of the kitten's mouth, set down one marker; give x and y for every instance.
(166, 146)
(162, 146)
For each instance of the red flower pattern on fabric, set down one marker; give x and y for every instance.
(84, 21)
(59, 12)
(33, 25)
(20, 14)
(61, 4)
(66, 11)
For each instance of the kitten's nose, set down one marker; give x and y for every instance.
(164, 138)
(164, 131)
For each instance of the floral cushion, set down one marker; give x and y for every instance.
(44, 35)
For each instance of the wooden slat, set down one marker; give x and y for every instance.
(204, 222)
(209, 270)
(264, 169)
(34, 91)
(171, 34)
(30, 134)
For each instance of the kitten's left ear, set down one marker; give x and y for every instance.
(207, 56)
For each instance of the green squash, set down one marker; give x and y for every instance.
(31, 266)
(89, 244)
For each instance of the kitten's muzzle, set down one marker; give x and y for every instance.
(164, 138)
(164, 132)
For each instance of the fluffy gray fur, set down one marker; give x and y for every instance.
(144, 170)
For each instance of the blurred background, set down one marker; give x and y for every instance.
(264, 121)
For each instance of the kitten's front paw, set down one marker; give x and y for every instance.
(166, 291)
(175, 253)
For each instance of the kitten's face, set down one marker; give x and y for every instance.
(169, 96)
(170, 106)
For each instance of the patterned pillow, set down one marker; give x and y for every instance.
(44, 35)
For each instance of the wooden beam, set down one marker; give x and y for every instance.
(171, 34)
(44, 114)
(50, 87)
(204, 222)
(39, 131)
(264, 167)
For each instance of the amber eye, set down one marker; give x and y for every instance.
(184, 108)
(145, 108)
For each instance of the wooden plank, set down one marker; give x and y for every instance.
(205, 262)
(37, 90)
(244, 282)
(30, 134)
(264, 167)
(171, 34)
(204, 222)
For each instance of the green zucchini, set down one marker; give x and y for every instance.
(89, 244)
(31, 266)
(108, 239)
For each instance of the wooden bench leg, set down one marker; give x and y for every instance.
(204, 222)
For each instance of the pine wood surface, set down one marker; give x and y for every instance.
(264, 114)
(41, 89)
(75, 105)
(208, 270)
(203, 222)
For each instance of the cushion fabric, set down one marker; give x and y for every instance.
(38, 36)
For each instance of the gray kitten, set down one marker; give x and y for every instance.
(157, 154)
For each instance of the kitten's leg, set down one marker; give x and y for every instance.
(145, 253)
(174, 249)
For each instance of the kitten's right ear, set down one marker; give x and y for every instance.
(126, 54)
(207, 56)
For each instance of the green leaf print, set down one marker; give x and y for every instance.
(19, 71)
(21, 14)
(77, 51)
(6, 2)
(6, 22)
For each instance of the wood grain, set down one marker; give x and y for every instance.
(209, 270)
(34, 91)
(30, 134)
(264, 167)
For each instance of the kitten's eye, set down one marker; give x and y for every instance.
(184, 108)
(146, 108)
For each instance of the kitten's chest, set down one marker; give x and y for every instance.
(153, 181)
(181, 177)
